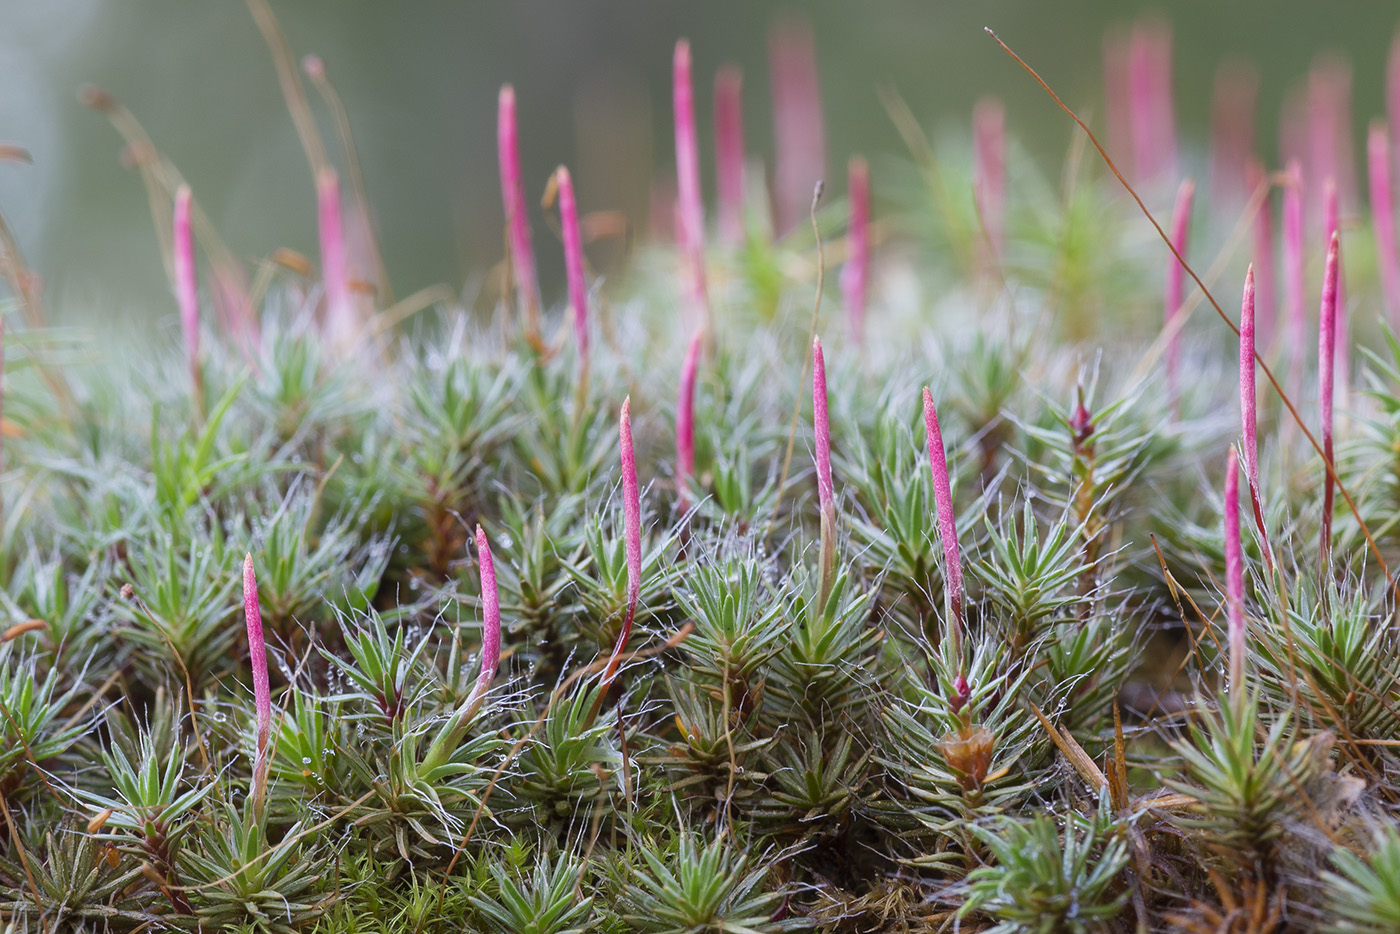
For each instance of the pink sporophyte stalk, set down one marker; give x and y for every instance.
(234, 308)
(989, 170)
(262, 693)
(685, 421)
(632, 539)
(1265, 302)
(631, 508)
(1116, 97)
(335, 272)
(691, 219)
(1329, 124)
(1165, 98)
(855, 273)
(962, 693)
(1326, 348)
(1392, 88)
(821, 427)
(1248, 400)
(573, 257)
(1293, 140)
(1233, 104)
(799, 135)
(1331, 199)
(1081, 425)
(1152, 112)
(449, 737)
(1383, 216)
(490, 625)
(1249, 417)
(1176, 278)
(1294, 280)
(826, 496)
(522, 251)
(1140, 110)
(729, 153)
(1234, 573)
(947, 527)
(186, 286)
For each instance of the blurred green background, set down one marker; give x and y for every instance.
(593, 80)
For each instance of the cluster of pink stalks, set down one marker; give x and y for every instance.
(342, 321)
(440, 751)
(1318, 184)
(1141, 117)
(1249, 448)
(826, 490)
(800, 165)
(1318, 180)
(632, 540)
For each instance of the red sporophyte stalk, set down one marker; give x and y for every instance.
(947, 528)
(962, 691)
(522, 252)
(1249, 410)
(1234, 573)
(855, 273)
(362, 240)
(1392, 88)
(490, 626)
(1233, 103)
(262, 693)
(1140, 111)
(1383, 215)
(1117, 101)
(573, 257)
(1326, 346)
(821, 427)
(632, 538)
(1294, 282)
(186, 287)
(1329, 124)
(335, 273)
(799, 136)
(685, 421)
(691, 219)
(1176, 273)
(234, 308)
(729, 153)
(449, 737)
(1081, 425)
(1293, 139)
(826, 496)
(989, 170)
(1342, 340)
(1152, 112)
(1266, 309)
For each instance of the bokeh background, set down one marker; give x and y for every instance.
(593, 79)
